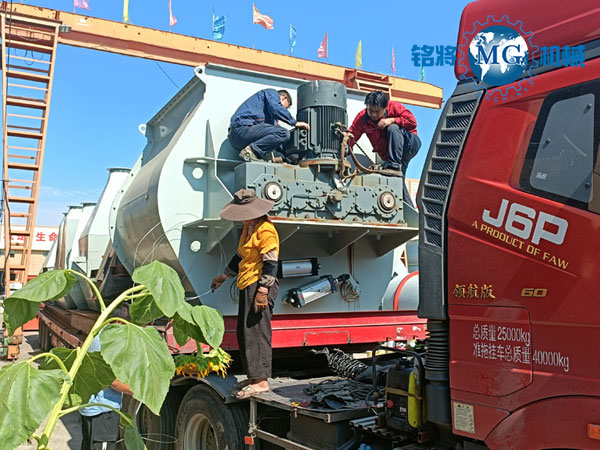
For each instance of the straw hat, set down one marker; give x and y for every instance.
(246, 206)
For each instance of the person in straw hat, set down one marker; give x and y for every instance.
(255, 264)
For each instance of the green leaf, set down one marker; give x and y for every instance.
(188, 328)
(140, 358)
(203, 323)
(211, 323)
(47, 286)
(144, 310)
(180, 335)
(18, 311)
(164, 285)
(184, 325)
(27, 395)
(133, 439)
(185, 312)
(93, 376)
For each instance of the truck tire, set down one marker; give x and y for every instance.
(205, 422)
(158, 432)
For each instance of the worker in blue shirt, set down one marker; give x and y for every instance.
(254, 131)
(100, 425)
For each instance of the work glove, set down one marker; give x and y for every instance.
(261, 299)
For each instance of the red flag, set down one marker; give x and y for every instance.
(393, 61)
(322, 52)
(261, 19)
(83, 4)
(172, 18)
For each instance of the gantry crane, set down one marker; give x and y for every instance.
(30, 35)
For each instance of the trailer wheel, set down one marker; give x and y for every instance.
(205, 422)
(158, 431)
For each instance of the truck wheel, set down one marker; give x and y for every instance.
(204, 422)
(158, 431)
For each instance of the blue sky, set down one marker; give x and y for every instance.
(99, 99)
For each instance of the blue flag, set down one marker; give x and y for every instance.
(292, 38)
(218, 27)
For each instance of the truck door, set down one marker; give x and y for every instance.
(523, 245)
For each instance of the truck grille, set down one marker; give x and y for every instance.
(441, 164)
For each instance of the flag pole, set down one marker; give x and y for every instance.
(212, 30)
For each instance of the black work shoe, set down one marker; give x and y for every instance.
(387, 165)
(292, 159)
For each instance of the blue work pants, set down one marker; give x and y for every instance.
(263, 138)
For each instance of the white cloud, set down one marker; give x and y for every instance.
(75, 194)
(54, 202)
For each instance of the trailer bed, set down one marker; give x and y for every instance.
(308, 426)
(288, 394)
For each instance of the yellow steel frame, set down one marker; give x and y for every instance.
(133, 40)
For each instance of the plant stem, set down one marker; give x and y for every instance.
(55, 414)
(140, 295)
(93, 286)
(56, 358)
(103, 405)
(115, 319)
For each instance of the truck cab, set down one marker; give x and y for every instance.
(508, 211)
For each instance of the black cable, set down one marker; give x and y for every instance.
(342, 363)
(166, 74)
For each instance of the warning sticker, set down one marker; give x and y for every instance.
(464, 418)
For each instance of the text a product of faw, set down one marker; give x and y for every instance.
(497, 54)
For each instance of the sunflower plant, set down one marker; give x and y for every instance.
(131, 352)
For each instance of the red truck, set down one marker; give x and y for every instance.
(507, 198)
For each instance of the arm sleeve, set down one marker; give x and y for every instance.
(269, 258)
(276, 108)
(232, 268)
(95, 346)
(356, 129)
(268, 242)
(269, 273)
(404, 118)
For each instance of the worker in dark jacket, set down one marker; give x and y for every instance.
(391, 128)
(254, 131)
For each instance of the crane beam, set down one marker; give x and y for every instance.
(134, 40)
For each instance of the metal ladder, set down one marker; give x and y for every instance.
(28, 57)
